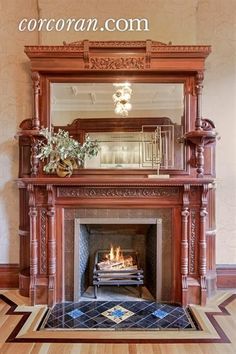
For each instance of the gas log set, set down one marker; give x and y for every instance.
(117, 267)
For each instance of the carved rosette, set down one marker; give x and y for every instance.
(111, 63)
(122, 192)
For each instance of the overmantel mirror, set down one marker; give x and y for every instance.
(140, 100)
(138, 125)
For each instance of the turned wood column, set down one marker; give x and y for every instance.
(198, 125)
(211, 276)
(36, 87)
(184, 244)
(33, 243)
(199, 87)
(200, 160)
(203, 244)
(51, 247)
(34, 160)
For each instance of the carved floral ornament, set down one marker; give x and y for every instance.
(117, 63)
(114, 192)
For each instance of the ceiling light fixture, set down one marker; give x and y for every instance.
(122, 98)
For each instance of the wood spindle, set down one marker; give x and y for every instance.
(33, 243)
(36, 88)
(184, 243)
(199, 87)
(202, 242)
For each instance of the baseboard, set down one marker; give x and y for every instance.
(9, 276)
(226, 276)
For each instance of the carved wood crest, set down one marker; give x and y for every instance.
(110, 63)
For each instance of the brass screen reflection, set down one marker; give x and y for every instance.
(157, 146)
(133, 149)
(117, 150)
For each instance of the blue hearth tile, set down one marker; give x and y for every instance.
(75, 313)
(160, 313)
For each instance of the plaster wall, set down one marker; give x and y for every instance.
(180, 21)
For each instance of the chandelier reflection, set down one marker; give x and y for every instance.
(122, 98)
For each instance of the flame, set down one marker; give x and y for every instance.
(116, 255)
(111, 255)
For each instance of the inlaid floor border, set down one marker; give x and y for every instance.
(31, 317)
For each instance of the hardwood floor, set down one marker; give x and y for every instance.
(19, 321)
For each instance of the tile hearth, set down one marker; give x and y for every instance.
(119, 315)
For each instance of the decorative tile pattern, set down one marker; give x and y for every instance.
(117, 314)
(75, 313)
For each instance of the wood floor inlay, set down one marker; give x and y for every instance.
(20, 323)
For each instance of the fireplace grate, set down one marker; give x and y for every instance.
(117, 277)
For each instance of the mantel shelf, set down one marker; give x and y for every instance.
(104, 180)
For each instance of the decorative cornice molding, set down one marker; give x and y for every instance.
(182, 49)
(53, 48)
(152, 46)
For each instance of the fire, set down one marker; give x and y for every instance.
(116, 257)
(115, 254)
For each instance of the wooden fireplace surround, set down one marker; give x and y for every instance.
(189, 192)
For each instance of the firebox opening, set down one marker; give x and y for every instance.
(117, 253)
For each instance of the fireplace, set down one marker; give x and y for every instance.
(148, 232)
(184, 202)
(117, 267)
(54, 209)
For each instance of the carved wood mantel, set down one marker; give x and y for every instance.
(48, 198)
(188, 193)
